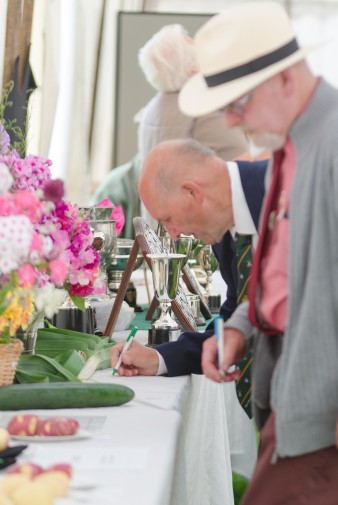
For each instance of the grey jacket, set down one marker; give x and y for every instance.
(301, 383)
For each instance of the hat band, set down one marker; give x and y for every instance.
(253, 66)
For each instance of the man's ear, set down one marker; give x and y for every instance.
(288, 79)
(192, 190)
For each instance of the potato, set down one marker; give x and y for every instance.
(4, 439)
(55, 482)
(32, 494)
(4, 500)
(57, 426)
(23, 424)
(10, 483)
(61, 467)
(31, 470)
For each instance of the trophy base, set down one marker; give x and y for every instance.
(214, 303)
(162, 335)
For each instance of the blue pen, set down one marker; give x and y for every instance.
(125, 348)
(219, 327)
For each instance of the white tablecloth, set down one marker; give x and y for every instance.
(171, 445)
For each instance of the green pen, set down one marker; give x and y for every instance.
(125, 348)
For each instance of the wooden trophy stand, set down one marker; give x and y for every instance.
(147, 241)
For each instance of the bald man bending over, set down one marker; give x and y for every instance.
(183, 185)
(191, 190)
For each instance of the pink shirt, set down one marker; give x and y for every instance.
(274, 265)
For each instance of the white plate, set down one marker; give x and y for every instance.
(80, 435)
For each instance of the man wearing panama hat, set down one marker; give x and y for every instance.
(253, 69)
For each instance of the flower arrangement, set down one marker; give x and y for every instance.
(29, 265)
(45, 242)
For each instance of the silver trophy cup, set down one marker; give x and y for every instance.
(209, 262)
(166, 270)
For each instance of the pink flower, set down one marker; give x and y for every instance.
(118, 215)
(27, 203)
(58, 271)
(26, 275)
(30, 173)
(36, 244)
(79, 290)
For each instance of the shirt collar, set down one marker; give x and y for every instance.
(242, 217)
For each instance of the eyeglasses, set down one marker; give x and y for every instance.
(238, 106)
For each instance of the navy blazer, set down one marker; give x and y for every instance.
(184, 356)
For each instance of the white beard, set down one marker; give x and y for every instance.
(264, 141)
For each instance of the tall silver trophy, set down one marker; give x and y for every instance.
(166, 268)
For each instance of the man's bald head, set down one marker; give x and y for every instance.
(180, 186)
(172, 161)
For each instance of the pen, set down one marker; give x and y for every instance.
(219, 327)
(125, 348)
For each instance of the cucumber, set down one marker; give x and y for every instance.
(63, 395)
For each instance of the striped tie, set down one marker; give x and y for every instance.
(244, 258)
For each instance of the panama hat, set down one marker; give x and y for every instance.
(237, 50)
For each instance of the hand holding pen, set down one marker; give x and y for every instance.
(219, 328)
(218, 358)
(125, 349)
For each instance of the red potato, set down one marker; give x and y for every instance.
(23, 424)
(31, 470)
(61, 467)
(57, 426)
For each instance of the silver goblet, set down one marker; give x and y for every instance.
(166, 273)
(209, 263)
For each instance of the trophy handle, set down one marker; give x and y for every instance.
(194, 287)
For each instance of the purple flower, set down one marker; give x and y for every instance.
(4, 140)
(54, 190)
(31, 172)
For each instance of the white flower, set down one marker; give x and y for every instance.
(15, 239)
(48, 299)
(47, 245)
(6, 179)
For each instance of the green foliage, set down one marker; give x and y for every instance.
(17, 135)
(79, 302)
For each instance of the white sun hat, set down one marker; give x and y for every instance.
(237, 50)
